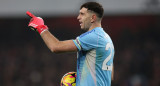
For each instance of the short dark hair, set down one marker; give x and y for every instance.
(95, 7)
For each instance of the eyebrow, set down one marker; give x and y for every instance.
(80, 12)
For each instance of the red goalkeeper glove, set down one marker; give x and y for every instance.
(36, 23)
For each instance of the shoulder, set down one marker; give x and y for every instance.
(89, 33)
(94, 32)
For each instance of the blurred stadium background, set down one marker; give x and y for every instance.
(26, 61)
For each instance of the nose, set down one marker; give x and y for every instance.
(78, 17)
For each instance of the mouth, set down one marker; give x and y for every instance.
(80, 23)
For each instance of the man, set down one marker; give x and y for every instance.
(95, 47)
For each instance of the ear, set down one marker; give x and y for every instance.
(93, 18)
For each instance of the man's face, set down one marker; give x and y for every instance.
(84, 18)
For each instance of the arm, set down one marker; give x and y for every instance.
(57, 46)
(112, 76)
(37, 24)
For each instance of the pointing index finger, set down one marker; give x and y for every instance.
(30, 14)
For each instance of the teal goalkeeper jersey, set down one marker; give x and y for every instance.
(95, 58)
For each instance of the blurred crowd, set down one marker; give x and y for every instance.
(26, 61)
(27, 65)
(137, 58)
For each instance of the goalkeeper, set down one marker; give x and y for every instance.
(95, 48)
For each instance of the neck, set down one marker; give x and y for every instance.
(94, 25)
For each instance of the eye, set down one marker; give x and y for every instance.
(81, 13)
